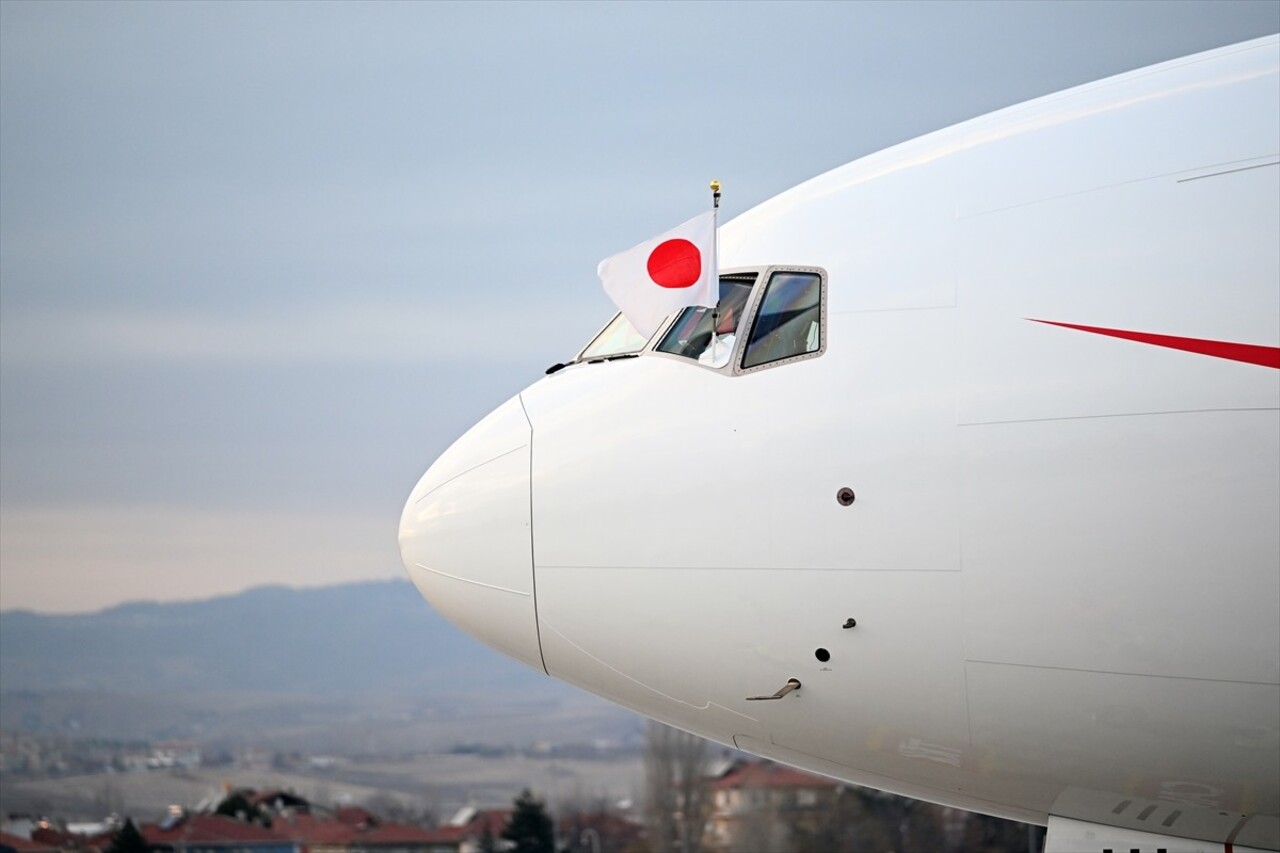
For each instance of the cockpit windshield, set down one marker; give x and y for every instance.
(617, 338)
(691, 334)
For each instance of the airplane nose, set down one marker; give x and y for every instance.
(465, 534)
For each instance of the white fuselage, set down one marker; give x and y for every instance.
(1063, 555)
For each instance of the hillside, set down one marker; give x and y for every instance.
(356, 638)
(333, 667)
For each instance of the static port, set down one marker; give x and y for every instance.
(822, 655)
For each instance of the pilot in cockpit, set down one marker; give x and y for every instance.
(708, 335)
(720, 348)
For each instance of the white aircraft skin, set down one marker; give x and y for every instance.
(1063, 552)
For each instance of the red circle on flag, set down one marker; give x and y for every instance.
(675, 263)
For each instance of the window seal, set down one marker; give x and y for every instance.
(753, 307)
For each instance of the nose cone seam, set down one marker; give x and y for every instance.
(466, 535)
(533, 553)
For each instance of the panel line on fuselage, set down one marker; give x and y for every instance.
(1116, 415)
(472, 582)
(440, 486)
(703, 707)
(1118, 672)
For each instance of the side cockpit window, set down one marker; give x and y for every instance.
(788, 323)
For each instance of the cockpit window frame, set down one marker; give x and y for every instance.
(762, 276)
(752, 312)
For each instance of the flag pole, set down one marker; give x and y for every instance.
(715, 273)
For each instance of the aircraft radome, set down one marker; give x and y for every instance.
(993, 473)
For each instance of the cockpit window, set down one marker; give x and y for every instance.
(779, 310)
(789, 322)
(691, 333)
(619, 337)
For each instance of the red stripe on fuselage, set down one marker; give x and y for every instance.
(1248, 353)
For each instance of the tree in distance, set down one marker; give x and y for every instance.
(529, 827)
(128, 840)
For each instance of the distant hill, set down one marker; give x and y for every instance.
(354, 639)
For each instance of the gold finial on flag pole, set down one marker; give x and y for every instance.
(715, 193)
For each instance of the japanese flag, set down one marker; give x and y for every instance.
(649, 281)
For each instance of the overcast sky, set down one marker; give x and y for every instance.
(260, 263)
